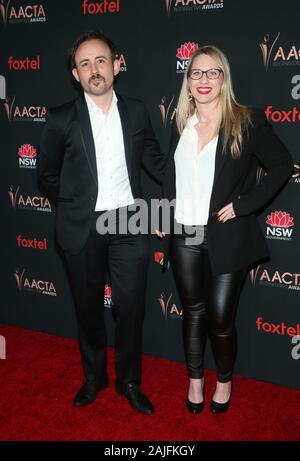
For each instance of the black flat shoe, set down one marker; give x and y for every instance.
(136, 398)
(195, 407)
(88, 393)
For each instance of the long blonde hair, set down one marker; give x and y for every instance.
(235, 117)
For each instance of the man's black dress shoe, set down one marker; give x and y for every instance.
(136, 398)
(88, 393)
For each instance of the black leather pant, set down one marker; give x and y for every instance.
(209, 305)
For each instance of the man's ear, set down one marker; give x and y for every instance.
(117, 65)
(75, 74)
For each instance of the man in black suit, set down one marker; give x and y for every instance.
(91, 154)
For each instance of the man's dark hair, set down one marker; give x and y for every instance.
(92, 35)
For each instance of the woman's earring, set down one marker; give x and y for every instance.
(190, 97)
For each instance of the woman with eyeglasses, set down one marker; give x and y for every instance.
(215, 150)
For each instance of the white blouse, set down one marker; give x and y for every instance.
(194, 176)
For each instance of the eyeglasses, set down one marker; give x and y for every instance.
(211, 74)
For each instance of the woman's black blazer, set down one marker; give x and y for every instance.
(238, 242)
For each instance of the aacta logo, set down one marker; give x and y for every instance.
(123, 66)
(183, 54)
(276, 279)
(24, 64)
(254, 274)
(100, 7)
(288, 55)
(279, 225)
(28, 202)
(168, 308)
(295, 178)
(167, 110)
(192, 5)
(283, 116)
(34, 243)
(274, 328)
(27, 283)
(27, 156)
(21, 14)
(107, 296)
(17, 113)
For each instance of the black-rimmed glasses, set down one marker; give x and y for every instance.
(211, 74)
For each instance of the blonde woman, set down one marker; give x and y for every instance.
(216, 147)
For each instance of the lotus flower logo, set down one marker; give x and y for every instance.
(26, 150)
(186, 50)
(280, 219)
(107, 291)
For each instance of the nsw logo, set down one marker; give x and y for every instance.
(280, 226)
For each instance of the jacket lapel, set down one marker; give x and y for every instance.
(86, 135)
(219, 159)
(127, 135)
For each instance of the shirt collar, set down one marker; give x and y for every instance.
(193, 120)
(92, 106)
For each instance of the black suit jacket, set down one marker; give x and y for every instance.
(238, 242)
(67, 170)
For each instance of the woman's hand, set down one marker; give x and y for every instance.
(226, 213)
(160, 234)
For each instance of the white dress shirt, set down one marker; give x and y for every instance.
(114, 189)
(194, 176)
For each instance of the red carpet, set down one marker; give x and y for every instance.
(42, 373)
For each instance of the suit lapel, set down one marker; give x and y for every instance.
(86, 135)
(127, 135)
(219, 159)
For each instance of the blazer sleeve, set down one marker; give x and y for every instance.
(153, 159)
(276, 160)
(50, 158)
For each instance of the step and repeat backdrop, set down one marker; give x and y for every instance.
(155, 39)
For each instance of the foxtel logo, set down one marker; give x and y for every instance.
(279, 329)
(100, 7)
(34, 243)
(24, 64)
(282, 116)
